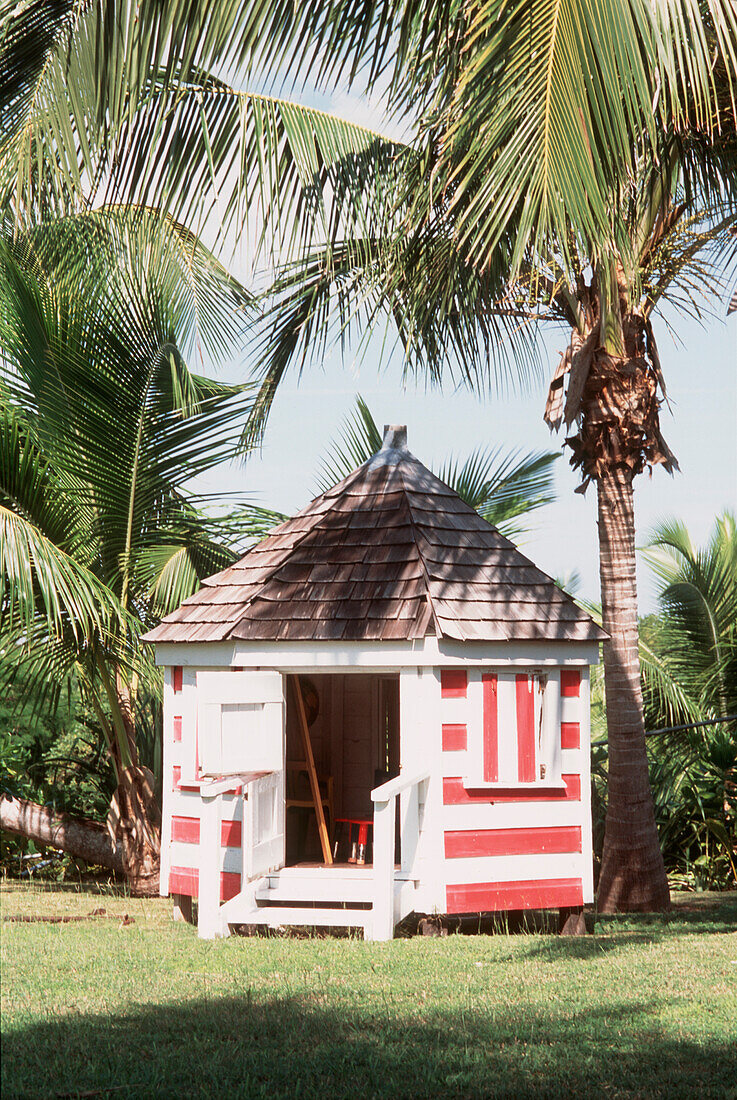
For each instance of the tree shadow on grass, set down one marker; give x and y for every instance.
(296, 1047)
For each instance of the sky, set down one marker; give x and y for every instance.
(700, 366)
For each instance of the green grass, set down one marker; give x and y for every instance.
(646, 1007)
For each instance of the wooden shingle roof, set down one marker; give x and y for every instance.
(389, 552)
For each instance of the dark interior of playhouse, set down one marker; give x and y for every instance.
(351, 721)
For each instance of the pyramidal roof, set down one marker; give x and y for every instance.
(389, 552)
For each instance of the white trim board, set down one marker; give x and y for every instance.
(375, 656)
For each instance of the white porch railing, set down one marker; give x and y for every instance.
(389, 889)
(209, 919)
(413, 790)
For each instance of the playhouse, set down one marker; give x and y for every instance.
(383, 708)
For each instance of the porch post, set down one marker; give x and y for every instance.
(382, 916)
(208, 907)
(409, 817)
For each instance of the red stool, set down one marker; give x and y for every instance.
(357, 844)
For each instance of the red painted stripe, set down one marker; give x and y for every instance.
(230, 885)
(491, 742)
(485, 897)
(230, 834)
(176, 678)
(455, 738)
(560, 839)
(525, 729)
(185, 829)
(185, 880)
(570, 682)
(453, 683)
(177, 729)
(176, 777)
(455, 794)
(570, 735)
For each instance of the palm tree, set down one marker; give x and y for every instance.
(559, 146)
(503, 487)
(102, 426)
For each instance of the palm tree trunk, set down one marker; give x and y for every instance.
(81, 838)
(134, 816)
(632, 873)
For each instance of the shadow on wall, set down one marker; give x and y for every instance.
(294, 1047)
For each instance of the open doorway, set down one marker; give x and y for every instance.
(353, 722)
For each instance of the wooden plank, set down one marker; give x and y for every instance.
(480, 897)
(477, 816)
(541, 866)
(231, 834)
(304, 729)
(455, 737)
(525, 693)
(570, 735)
(278, 915)
(570, 683)
(455, 794)
(185, 880)
(460, 844)
(208, 922)
(185, 830)
(382, 923)
(453, 683)
(490, 730)
(230, 885)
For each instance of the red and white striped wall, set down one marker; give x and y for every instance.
(182, 805)
(516, 820)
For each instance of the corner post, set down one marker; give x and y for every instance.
(382, 914)
(208, 909)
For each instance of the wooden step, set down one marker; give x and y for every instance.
(341, 873)
(277, 915)
(316, 889)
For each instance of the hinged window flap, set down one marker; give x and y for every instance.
(240, 722)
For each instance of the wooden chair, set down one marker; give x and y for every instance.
(298, 794)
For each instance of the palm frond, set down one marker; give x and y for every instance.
(359, 439)
(698, 594)
(503, 486)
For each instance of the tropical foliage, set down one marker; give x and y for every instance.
(688, 660)
(102, 427)
(691, 677)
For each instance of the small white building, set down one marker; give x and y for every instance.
(385, 657)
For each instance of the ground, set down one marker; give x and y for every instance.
(645, 1007)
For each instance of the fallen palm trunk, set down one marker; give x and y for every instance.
(125, 920)
(82, 838)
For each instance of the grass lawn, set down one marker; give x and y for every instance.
(646, 1007)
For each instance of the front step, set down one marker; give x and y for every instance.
(346, 894)
(278, 916)
(318, 884)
